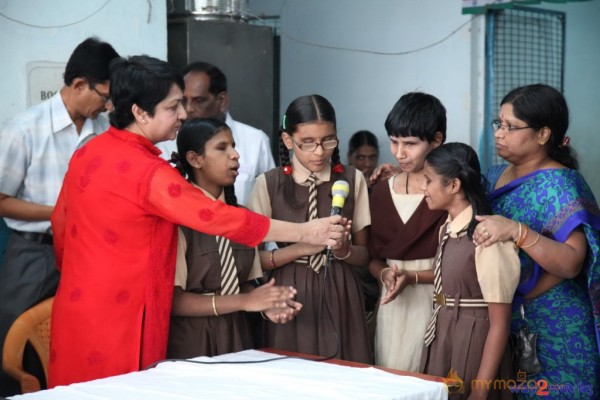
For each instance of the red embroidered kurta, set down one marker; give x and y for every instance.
(115, 239)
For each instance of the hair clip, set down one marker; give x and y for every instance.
(283, 122)
(566, 141)
(287, 169)
(338, 168)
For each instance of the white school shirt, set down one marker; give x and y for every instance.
(35, 150)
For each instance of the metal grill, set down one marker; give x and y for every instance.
(524, 46)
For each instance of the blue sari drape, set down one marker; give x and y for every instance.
(555, 202)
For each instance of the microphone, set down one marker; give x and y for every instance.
(339, 192)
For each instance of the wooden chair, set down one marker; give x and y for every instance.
(32, 326)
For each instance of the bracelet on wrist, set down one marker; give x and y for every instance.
(532, 243)
(214, 305)
(346, 256)
(416, 282)
(381, 275)
(519, 234)
(272, 259)
(523, 236)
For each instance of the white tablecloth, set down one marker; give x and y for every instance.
(282, 379)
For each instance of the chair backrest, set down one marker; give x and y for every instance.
(32, 326)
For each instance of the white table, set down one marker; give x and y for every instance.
(287, 379)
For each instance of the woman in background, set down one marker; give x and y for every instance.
(363, 152)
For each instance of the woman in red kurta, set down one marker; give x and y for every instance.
(114, 228)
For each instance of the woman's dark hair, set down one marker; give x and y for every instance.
(90, 60)
(140, 80)
(458, 160)
(417, 114)
(362, 138)
(541, 106)
(192, 136)
(306, 109)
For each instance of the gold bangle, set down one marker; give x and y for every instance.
(519, 235)
(214, 304)
(272, 258)
(416, 279)
(534, 242)
(524, 237)
(381, 275)
(346, 256)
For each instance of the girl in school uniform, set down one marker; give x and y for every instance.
(473, 286)
(213, 276)
(332, 321)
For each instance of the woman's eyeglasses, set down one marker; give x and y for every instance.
(497, 125)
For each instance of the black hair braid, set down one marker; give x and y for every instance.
(475, 190)
(230, 198)
(176, 161)
(289, 189)
(335, 160)
(284, 153)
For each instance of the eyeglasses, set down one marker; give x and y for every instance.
(326, 145)
(104, 97)
(497, 124)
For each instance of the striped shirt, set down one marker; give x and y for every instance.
(35, 152)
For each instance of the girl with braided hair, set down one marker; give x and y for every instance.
(473, 285)
(212, 286)
(332, 321)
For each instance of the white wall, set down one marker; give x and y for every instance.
(364, 87)
(130, 26)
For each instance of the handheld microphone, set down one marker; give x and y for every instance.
(339, 193)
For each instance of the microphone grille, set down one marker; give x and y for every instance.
(340, 188)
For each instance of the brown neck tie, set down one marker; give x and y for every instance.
(437, 286)
(229, 280)
(315, 261)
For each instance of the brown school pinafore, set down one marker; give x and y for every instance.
(313, 331)
(461, 332)
(210, 335)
